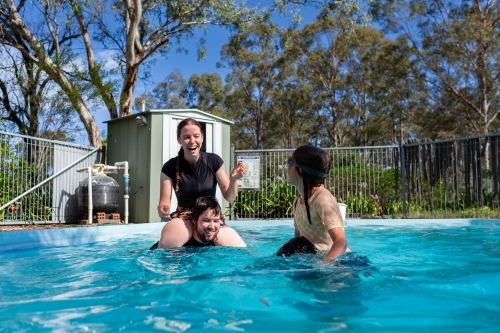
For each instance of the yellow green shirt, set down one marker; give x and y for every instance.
(325, 215)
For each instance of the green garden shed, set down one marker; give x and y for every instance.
(148, 139)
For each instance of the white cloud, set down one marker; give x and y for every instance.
(106, 57)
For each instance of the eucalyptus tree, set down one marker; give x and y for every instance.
(41, 32)
(291, 112)
(33, 105)
(458, 46)
(143, 28)
(37, 109)
(397, 95)
(206, 92)
(328, 52)
(363, 84)
(170, 93)
(134, 31)
(23, 91)
(254, 58)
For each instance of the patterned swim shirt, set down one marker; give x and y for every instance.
(325, 215)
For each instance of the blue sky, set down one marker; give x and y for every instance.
(188, 64)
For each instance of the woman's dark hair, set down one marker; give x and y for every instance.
(180, 126)
(314, 158)
(205, 203)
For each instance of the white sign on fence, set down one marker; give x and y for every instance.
(252, 175)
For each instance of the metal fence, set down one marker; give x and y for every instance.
(38, 179)
(452, 178)
(365, 178)
(443, 179)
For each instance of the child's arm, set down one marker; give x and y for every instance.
(339, 244)
(296, 232)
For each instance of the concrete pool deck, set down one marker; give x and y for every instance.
(25, 239)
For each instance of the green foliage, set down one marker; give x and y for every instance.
(455, 46)
(359, 204)
(18, 176)
(395, 209)
(246, 203)
(367, 190)
(282, 196)
(256, 59)
(274, 200)
(349, 159)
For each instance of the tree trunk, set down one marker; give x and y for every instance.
(128, 90)
(104, 90)
(42, 59)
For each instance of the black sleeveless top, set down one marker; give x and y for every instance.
(196, 180)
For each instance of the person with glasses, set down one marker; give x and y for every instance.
(318, 223)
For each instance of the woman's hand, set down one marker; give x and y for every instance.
(238, 171)
(229, 185)
(165, 197)
(164, 212)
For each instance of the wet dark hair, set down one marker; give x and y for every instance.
(205, 203)
(314, 158)
(180, 126)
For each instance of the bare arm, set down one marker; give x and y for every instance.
(228, 185)
(165, 196)
(339, 244)
(229, 237)
(296, 232)
(177, 231)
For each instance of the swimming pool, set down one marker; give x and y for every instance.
(421, 275)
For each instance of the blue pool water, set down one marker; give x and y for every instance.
(432, 277)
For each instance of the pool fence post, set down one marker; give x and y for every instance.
(403, 176)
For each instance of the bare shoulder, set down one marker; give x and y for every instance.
(227, 236)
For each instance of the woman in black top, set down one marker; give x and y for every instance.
(192, 174)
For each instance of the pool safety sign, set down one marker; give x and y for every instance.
(251, 179)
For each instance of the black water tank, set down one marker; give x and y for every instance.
(105, 194)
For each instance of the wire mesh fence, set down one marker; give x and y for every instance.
(365, 179)
(442, 179)
(38, 179)
(456, 178)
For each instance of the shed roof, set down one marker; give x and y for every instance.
(185, 113)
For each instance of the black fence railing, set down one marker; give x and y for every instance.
(456, 178)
